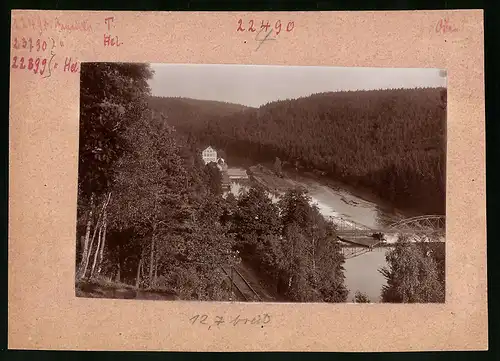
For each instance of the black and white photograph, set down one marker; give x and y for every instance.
(259, 183)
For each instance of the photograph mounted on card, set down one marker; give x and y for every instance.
(232, 172)
(308, 184)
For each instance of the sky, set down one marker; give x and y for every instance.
(255, 85)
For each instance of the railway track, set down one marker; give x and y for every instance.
(240, 286)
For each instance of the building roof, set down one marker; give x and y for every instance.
(209, 148)
(236, 171)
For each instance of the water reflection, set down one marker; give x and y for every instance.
(362, 274)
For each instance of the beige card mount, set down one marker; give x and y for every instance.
(300, 53)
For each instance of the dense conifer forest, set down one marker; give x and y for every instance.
(390, 141)
(151, 214)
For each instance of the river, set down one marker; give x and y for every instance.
(361, 272)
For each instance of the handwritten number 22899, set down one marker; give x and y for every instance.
(33, 64)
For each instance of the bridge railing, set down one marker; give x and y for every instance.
(420, 223)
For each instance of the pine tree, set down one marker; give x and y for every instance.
(412, 275)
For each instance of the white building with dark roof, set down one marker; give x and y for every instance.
(209, 155)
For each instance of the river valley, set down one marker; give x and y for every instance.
(337, 203)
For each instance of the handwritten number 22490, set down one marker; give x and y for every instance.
(266, 26)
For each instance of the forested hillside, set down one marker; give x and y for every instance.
(390, 141)
(151, 214)
(192, 114)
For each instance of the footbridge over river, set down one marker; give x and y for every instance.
(357, 239)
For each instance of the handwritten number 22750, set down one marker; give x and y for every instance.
(28, 44)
